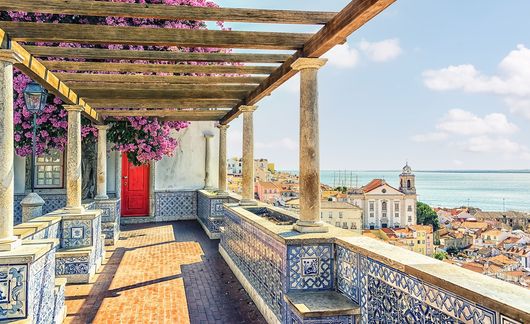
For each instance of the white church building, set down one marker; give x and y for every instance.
(385, 206)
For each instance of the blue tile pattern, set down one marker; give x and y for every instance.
(110, 219)
(18, 209)
(310, 267)
(72, 227)
(211, 212)
(52, 231)
(53, 202)
(59, 299)
(41, 289)
(175, 205)
(259, 257)
(387, 295)
(72, 265)
(293, 318)
(13, 291)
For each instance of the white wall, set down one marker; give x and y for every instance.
(111, 169)
(186, 169)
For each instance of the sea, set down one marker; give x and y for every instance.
(487, 190)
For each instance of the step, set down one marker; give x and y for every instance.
(321, 304)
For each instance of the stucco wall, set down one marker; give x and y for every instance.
(20, 177)
(185, 170)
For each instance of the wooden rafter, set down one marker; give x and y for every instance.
(153, 11)
(154, 94)
(33, 68)
(162, 103)
(157, 68)
(349, 19)
(179, 115)
(140, 78)
(97, 34)
(80, 87)
(106, 54)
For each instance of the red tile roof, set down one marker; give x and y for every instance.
(376, 183)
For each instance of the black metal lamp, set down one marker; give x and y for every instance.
(35, 97)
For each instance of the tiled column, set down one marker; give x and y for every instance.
(223, 190)
(208, 161)
(73, 161)
(7, 179)
(309, 147)
(102, 163)
(247, 196)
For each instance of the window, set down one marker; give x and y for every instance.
(49, 170)
(371, 214)
(409, 208)
(410, 218)
(345, 225)
(419, 241)
(383, 205)
(330, 214)
(396, 207)
(371, 206)
(340, 214)
(353, 226)
(337, 224)
(384, 215)
(396, 215)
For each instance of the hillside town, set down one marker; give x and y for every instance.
(494, 243)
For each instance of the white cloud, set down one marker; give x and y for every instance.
(430, 137)
(283, 143)
(343, 56)
(382, 51)
(458, 121)
(503, 146)
(511, 82)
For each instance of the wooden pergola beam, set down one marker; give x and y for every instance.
(154, 11)
(157, 68)
(178, 115)
(349, 19)
(140, 78)
(34, 69)
(156, 94)
(98, 34)
(162, 103)
(106, 54)
(80, 87)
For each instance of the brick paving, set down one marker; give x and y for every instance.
(162, 273)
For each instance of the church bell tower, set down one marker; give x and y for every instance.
(407, 180)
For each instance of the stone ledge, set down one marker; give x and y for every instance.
(27, 252)
(321, 304)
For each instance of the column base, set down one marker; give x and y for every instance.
(101, 197)
(222, 193)
(75, 210)
(9, 244)
(248, 202)
(310, 227)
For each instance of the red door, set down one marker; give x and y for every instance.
(134, 189)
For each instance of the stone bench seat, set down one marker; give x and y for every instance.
(36, 228)
(309, 305)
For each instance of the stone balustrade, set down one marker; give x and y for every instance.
(285, 272)
(210, 211)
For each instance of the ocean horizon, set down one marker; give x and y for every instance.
(489, 190)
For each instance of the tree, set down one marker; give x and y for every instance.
(440, 255)
(425, 215)
(147, 138)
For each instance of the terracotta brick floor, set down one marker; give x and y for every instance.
(162, 273)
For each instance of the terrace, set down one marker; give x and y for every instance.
(295, 269)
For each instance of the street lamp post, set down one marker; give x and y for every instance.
(35, 97)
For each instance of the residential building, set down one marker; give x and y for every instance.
(235, 166)
(385, 206)
(417, 238)
(268, 192)
(341, 214)
(511, 218)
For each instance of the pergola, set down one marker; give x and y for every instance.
(98, 88)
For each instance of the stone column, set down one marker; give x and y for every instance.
(73, 161)
(223, 190)
(8, 240)
(309, 221)
(247, 195)
(102, 163)
(207, 162)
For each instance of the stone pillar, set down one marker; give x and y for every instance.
(73, 161)
(31, 206)
(309, 147)
(223, 190)
(8, 240)
(207, 162)
(247, 196)
(102, 163)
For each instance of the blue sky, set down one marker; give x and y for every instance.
(442, 84)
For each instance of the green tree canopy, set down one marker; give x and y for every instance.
(426, 215)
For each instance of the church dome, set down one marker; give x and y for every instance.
(407, 169)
